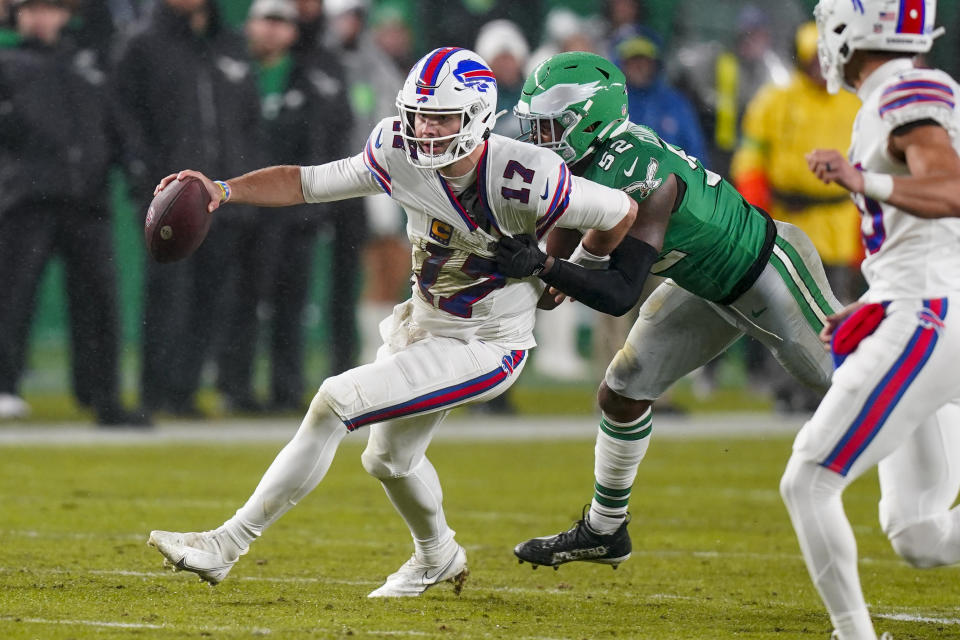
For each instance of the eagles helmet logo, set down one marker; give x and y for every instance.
(647, 185)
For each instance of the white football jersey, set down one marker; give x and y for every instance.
(521, 188)
(906, 256)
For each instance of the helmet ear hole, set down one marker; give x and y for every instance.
(593, 127)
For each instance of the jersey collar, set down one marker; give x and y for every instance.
(481, 193)
(881, 74)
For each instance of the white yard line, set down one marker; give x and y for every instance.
(907, 617)
(471, 428)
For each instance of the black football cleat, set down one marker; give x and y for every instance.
(578, 543)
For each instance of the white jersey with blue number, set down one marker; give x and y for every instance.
(521, 188)
(906, 256)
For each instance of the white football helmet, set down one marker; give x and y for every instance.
(845, 26)
(448, 80)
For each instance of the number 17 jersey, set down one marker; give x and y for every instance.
(519, 188)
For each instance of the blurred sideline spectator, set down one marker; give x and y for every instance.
(457, 22)
(782, 124)
(722, 80)
(346, 227)
(55, 155)
(566, 31)
(99, 24)
(652, 101)
(505, 49)
(373, 82)
(306, 120)
(186, 84)
(392, 33)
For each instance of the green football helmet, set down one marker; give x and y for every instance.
(571, 103)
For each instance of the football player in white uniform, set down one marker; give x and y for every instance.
(890, 403)
(464, 333)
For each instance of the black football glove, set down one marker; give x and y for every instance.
(519, 256)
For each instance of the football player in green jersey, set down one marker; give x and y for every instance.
(730, 269)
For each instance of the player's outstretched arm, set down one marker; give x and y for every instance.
(613, 291)
(277, 186)
(932, 190)
(601, 242)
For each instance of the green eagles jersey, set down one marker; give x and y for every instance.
(716, 241)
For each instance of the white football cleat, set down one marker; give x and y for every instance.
(200, 553)
(415, 577)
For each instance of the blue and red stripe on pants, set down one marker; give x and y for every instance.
(888, 392)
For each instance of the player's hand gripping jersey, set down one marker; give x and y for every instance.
(907, 256)
(716, 243)
(519, 188)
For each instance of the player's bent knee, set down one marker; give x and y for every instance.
(796, 484)
(618, 407)
(917, 544)
(321, 414)
(375, 464)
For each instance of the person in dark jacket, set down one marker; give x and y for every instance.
(187, 87)
(57, 144)
(638, 51)
(306, 121)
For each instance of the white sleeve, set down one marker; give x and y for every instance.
(593, 206)
(338, 180)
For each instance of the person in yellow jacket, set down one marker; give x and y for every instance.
(782, 124)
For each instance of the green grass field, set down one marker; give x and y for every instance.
(714, 553)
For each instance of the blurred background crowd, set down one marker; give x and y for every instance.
(99, 99)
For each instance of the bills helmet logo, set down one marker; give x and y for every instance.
(507, 364)
(929, 320)
(422, 99)
(473, 74)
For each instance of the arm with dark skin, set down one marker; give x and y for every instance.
(614, 290)
(932, 190)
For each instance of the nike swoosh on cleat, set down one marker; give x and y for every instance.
(632, 167)
(757, 314)
(378, 144)
(430, 578)
(546, 191)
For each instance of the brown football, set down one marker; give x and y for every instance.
(177, 220)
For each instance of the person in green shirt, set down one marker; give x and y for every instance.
(731, 270)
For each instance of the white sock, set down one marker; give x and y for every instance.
(855, 625)
(418, 498)
(813, 496)
(368, 325)
(620, 448)
(296, 470)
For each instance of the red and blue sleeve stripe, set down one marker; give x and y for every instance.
(444, 398)
(431, 69)
(379, 173)
(891, 388)
(914, 91)
(559, 203)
